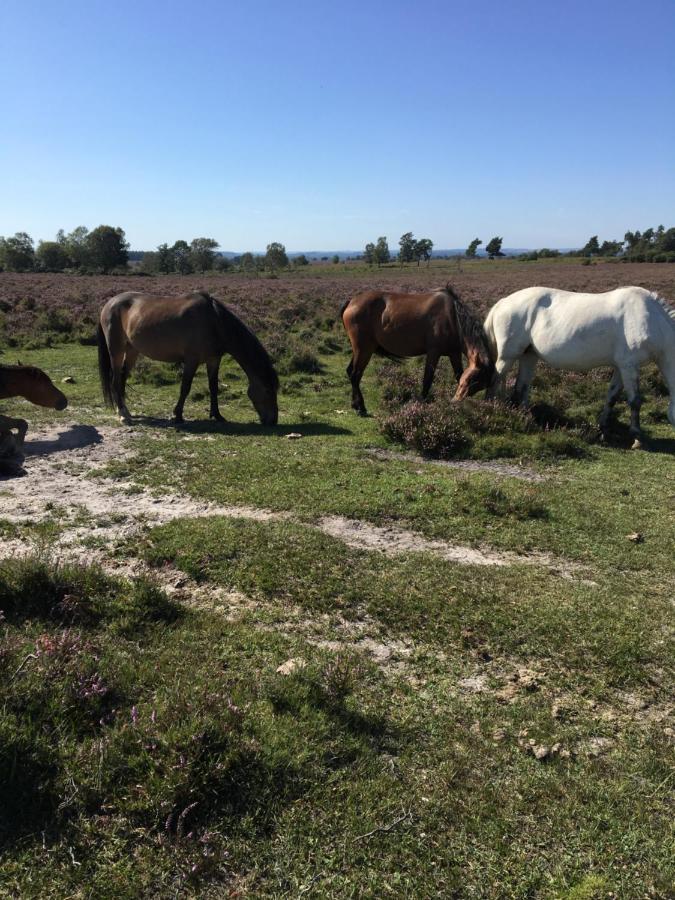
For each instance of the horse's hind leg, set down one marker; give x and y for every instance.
(358, 365)
(615, 386)
(130, 357)
(212, 366)
(189, 369)
(429, 371)
(630, 378)
(667, 369)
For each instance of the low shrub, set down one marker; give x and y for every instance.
(441, 428)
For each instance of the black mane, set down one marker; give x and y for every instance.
(251, 354)
(471, 328)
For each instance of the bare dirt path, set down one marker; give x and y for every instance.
(62, 483)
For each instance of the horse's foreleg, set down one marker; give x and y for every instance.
(429, 371)
(521, 391)
(615, 386)
(630, 378)
(212, 367)
(7, 423)
(456, 363)
(189, 369)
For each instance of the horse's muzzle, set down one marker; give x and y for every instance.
(61, 403)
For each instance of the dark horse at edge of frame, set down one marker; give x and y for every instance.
(433, 325)
(33, 385)
(191, 329)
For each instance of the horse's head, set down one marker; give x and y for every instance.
(39, 389)
(477, 376)
(263, 396)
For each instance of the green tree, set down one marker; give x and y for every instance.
(51, 256)
(369, 254)
(76, 245)
(591, 247)
(473, 247)
(166, 261)
(423, 249)
(301, 260)
(275, 257)
(667, 240)
(247, 263)
(610, 248)
(382, 254)
(17, 254)
(406, 245)
(181, 257)
(202, 253)
(494, 247)
(107, 248)
(335, 259)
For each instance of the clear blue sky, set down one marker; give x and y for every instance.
(325, 125)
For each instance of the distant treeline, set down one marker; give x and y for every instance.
(105, 250)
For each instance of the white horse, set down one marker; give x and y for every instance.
(624, 328)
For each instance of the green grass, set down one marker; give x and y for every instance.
(121, 709)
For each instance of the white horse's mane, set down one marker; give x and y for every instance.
(668, 309)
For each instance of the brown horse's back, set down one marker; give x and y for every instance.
(402, 324)
(167, 329)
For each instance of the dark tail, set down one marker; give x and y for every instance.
(104, 367)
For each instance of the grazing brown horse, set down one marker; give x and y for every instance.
(432, 325)
(34, 385)
(192, 329)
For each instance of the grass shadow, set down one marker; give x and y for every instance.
(209, 426)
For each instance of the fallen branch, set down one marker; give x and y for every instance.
(30, 656)
(384, 828)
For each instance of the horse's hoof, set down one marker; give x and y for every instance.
(125, 420)
(637, 445)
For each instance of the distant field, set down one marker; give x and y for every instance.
(238, 664)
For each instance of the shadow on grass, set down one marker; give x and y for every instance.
(209, 426)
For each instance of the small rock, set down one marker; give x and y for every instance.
(541, 752)
(291, 665)
(498, 735)
(293, 435)
(636, 537)
(68, 380)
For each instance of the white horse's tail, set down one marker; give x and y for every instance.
(490, 338)
(666, 360)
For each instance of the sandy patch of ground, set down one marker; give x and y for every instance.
(62, 484)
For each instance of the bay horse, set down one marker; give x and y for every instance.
(33, 385)
(400, 325)
(624, 328)
(190, 329)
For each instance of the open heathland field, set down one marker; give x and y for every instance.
(426, 653)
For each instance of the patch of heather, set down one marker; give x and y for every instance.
(50, 308)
